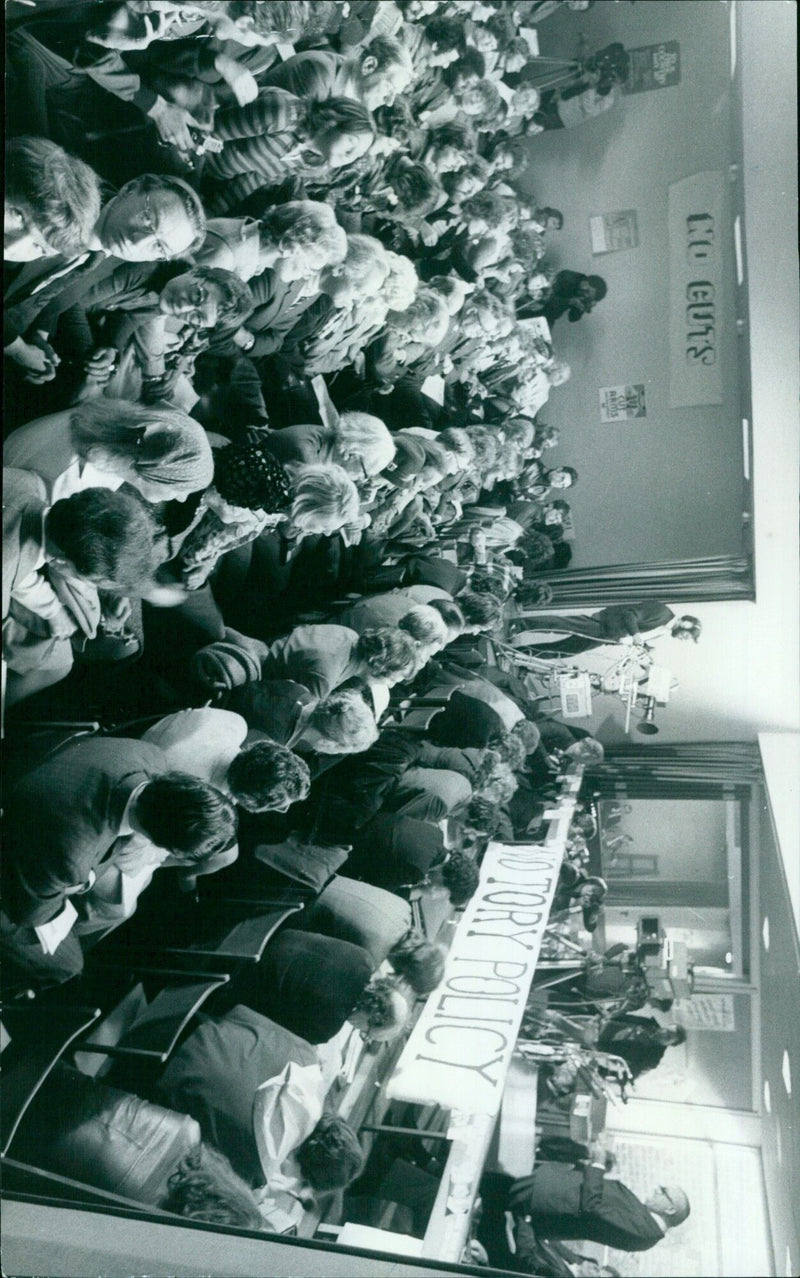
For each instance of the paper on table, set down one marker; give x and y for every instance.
(372, 1239)
(52, 934)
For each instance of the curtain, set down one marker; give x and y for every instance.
(716, 577)
(651, 895)
(696, 769)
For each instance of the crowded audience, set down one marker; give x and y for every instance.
(279, 332)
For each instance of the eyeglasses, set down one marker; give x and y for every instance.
(149, 222)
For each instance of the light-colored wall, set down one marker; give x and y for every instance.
(668, 486)
(743, 676)
(688, 838)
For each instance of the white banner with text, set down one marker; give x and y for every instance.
(696, 236)
(459, 1051)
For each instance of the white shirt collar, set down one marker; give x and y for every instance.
(126, 827)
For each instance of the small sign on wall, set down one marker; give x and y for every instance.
(653, 66)
(622, 403)
(706, 1012)
(614, 232)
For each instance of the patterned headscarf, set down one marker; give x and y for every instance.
(178, 454)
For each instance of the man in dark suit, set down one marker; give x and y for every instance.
(563, 1201)
(216, 1075)
(98, 802)
(609, 625)
(639, 1040)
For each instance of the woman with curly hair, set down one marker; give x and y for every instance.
(323, 657)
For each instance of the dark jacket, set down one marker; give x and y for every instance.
(306, 982)
(362, 914)
(63, 819)
(572, 1202)
(214, 1075)
(393, 851)
(465, 722)
(632, 1038)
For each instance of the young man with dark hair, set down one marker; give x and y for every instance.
(373, 74)
(106, 802)
(52, 201)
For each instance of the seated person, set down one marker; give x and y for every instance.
(385, 609)
(343, 723)
(81, 1128)
(391, 200)
(406, 336)
(109, 812)
(216, 1075)
(52, 201)
(255, 497)
(424, 624)
(348, 313)
(392, 851)
(210, 743)
(293, 241)
(260, 776)
(640, 1041)
(324, 657)
(280, 134)
(282, 257)
(560, 1201)
(150, 349)
(216, 66)
(159, 451)
(560, 744)
(152, 218)
(401, 773)
(373, 74)
(358, 442)
(466, 722)
(380, 923)
(312, 984)
(56, 560)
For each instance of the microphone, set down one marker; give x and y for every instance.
(647, 726)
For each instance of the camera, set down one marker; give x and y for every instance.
(664, 962)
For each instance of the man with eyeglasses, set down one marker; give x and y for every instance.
(151, 219)
(559, 1200)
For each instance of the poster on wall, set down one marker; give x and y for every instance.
(622, 403)
(653, 66)
(695, 234)
(614, 232)
(706, 1012)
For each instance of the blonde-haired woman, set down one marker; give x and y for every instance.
(254, 494)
